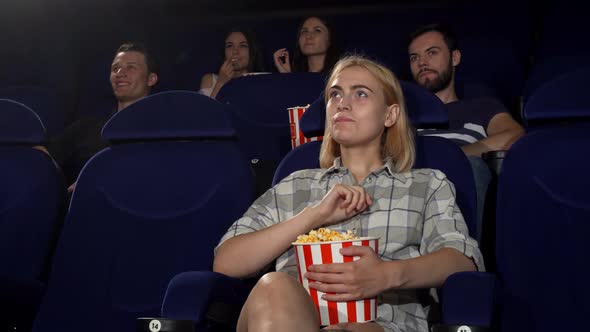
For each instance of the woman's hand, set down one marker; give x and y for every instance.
(282, 61)
(226, 72)
(361, 279)
(340, 203)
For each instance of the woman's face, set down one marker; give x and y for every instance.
(314, 37)
(356, 110)
(237, 51)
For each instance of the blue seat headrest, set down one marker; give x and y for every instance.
(313, 121)
(20, 124)
(170, 115)
(565, 97)
(424, 110)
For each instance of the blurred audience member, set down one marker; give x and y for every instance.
(477, 125)
(316, 49)
(133, 74)
(242, 56)
(484, 124)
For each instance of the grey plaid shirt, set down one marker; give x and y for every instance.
(413, 214)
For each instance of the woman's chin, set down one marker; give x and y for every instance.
(313, 52)
(345, 141)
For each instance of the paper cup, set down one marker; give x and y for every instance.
(330, 312)
(297, 137)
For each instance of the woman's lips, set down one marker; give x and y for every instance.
(342, 119)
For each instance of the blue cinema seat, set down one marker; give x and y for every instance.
(468, 298)
(32, 202)
(548, 69)
(543, 214)
(259, 109)
(503, 71)
(561, 100)
(152, 205)
(43, 100)
(543, 209)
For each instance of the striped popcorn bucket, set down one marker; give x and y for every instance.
(329, 252)
(297, 137)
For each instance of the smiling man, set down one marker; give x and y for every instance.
(133, 73)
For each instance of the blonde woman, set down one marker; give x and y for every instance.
(366, 183)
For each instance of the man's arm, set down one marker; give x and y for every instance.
(42, 148)
(502, 131)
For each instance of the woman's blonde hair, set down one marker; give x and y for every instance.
(397, 140)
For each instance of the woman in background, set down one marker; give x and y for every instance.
(316, 49)
(242, 56)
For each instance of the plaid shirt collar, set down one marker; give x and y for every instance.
(387, 167)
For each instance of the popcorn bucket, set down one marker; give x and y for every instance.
(297, 137)
(330, 312)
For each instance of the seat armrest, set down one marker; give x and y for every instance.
(190, 294)
(494, 160)
(469, 298)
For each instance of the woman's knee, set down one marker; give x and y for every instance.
(277, 277)
(277, 283)
(278, 297)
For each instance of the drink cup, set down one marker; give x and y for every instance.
(297, 136)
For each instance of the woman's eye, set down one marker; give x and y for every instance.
(361, 94)
(318, 30)
(228, 45)
(334, 94)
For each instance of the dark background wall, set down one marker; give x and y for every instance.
(68, 44)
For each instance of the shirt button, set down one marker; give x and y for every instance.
(370, 179)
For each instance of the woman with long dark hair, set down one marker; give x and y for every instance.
(241, 56)
(316, 49)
